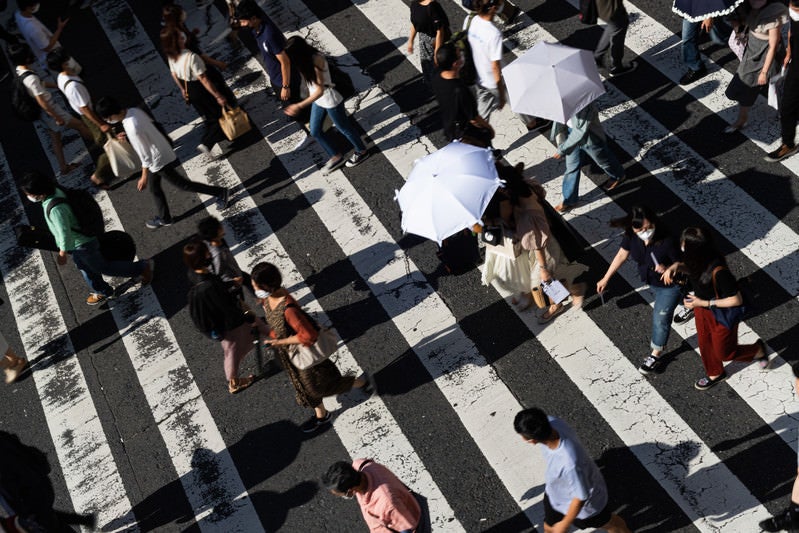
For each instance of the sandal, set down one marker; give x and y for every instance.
(237, 385)
(705, 383)
(763, 361)
(549, 315)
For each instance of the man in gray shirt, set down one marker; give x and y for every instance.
(575, 492)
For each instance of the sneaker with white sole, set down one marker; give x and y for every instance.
(649, 365)
(96, 298)
(357, 158)
(313, 423)
(332, 164)
(157, 222)
(683, 315)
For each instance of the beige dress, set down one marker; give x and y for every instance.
(532, 231)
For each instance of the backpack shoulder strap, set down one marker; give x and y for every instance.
(471, 18)
(363, 464)
(70, 80)
(26, 73)
(54, 202)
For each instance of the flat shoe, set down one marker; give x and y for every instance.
(611, 184)
(763, 361)
(235, 386)
(732, 128)
(705, 383)
(549, 315)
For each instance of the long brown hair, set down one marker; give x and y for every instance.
(171, 44)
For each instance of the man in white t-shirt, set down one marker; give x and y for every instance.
(53, 115)
(485, 40)
(77, 94)
(575, 492)
(158, 160)
(40, 39)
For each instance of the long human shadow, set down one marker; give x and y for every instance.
(168, 509)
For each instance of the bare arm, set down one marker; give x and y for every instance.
(773, 41)
(285, 73)
(621, 257)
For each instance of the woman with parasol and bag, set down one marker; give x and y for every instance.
(763, 56)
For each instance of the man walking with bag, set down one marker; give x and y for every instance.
(789, 105)
(575, 493)
(157, 159)
(85, 250)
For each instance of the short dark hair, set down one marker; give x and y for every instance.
(484, 6)
(208, 228)
(25, 4)
(533, 424)
(107, 106)
(21, 54)
(341, 477)
(56, 59)
(267, 276)
(195, 254)
(37, 183)
(248, 9)
(446, 56)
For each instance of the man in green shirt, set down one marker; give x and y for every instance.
(85, 250)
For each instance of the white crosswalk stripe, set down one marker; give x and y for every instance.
(477, 401)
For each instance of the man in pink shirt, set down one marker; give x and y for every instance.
(386, 503)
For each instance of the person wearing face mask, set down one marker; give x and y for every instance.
(40, 39)
(77, 94)
(647, 242)
(85, 250)
(385, 502)
(584, 134)
(762, 57)
(218, 314)
(789, 105)
(714, 288)
(157, 157)
(289, 327)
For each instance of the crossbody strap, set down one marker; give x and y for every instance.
(713, 278)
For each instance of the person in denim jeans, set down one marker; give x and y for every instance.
(719, 33)
(323, 99)
(648, 243)
(84, 249)
(583, 134)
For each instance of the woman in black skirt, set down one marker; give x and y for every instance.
(191, 75)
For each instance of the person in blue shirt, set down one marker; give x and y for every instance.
(271, 43)
(575, 493)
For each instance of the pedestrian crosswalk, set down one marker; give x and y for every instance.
(143, 433)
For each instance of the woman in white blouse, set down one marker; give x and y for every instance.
(323, 99)
(189, 72)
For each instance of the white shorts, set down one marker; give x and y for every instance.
(50, 121)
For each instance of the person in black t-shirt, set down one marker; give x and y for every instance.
(714, 288)
(456, 102)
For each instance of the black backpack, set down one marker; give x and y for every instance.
(86, 210)
(468, 4)
(24, 105)
(588, 11)
(460, 39)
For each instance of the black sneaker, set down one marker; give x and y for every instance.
(683, 315)
(621, 70)
(313, 423)
(780, 153)
(693, 75)
(370, 389)
(782, 521)
(704, 383)
(649, 365)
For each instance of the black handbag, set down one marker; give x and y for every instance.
(588, 12)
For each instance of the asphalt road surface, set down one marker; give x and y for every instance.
(129, 402)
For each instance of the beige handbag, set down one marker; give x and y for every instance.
(234, 122)
(122, 157)
(304, 357)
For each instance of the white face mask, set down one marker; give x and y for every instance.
(646, 234)
(682, 249)
(794, 15)
(35, 8)
(33, 198)
(182, 16)
(262, 294)
(74, 66)
(112, 121)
